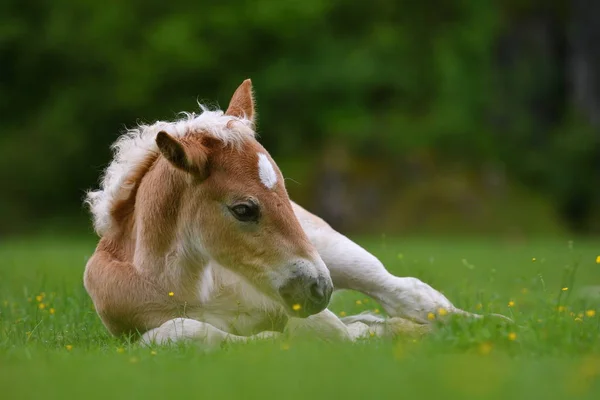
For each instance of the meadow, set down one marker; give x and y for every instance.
(52, 344)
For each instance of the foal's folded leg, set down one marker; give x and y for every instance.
(327, 326)
(185, 329)
(389, 327)
(324, 325)
(352, 267)
(369, 325)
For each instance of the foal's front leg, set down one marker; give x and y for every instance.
(324, 325)
(186, 329)
(352, 267)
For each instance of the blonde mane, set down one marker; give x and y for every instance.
(135, 146)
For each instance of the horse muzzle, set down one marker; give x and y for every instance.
(305, 295)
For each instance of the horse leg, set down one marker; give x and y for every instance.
(352, 267)
(363, 326)
(327, 326)
(367, 325)
(324, 325)
(185, 329)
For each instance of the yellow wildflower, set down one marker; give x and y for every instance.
(342, 313)
(69, 347)
(511, 303)
(371, 333)
(376, 311)
(358, 302)
(442, 312)
(598, 260)
(431, 316)
(52, 311)
(153, 353)
(580, 315)
(564, 289)
(171, 294)
(561, 308)
(590, 313)
(39, 298)
(512, 336)
(533, 259)
(578, 319)
(120, 350)
(41, 306)
(296, 307)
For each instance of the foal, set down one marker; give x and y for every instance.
(199, 240)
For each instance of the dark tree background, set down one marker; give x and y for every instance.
(388, 116)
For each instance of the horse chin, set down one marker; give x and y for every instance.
(299, 310)
(302, 313)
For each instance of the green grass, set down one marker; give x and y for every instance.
(554, 354)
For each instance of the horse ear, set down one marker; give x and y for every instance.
(192, 159)
(241, 104)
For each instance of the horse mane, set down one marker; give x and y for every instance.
(133, 150)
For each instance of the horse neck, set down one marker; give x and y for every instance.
(160, 247)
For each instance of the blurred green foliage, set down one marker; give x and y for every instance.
(387, 82)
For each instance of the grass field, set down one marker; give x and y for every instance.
(52, 345)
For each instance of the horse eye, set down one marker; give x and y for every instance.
(245, 212)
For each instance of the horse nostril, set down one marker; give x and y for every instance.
(317, 292)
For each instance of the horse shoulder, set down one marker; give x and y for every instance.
(125, 301)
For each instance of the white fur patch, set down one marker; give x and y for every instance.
(266, 172)
(132, 148)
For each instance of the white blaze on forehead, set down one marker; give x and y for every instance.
(266, 172)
